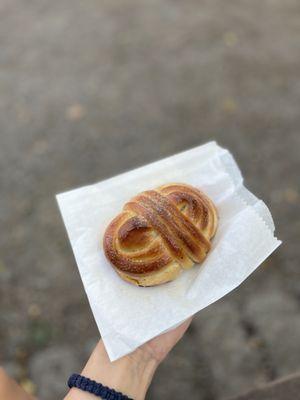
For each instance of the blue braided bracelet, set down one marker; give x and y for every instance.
(88, 385)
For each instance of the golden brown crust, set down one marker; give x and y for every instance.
(159, 233)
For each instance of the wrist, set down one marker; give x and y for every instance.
(131, 374)
(138, 368)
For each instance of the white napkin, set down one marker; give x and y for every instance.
(128, 316)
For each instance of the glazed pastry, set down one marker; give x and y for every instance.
(159, 233)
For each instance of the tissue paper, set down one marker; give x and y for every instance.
(127, 316)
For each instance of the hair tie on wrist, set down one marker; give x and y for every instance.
(99, 390)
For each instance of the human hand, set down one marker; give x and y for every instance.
(160, 346)
(131, 374)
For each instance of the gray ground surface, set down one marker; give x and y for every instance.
(91, 88)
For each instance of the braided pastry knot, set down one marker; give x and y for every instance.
(159, 233)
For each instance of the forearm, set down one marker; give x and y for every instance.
(130, 375)
(10, 390)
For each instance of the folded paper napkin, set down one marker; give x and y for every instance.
(128, 316)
